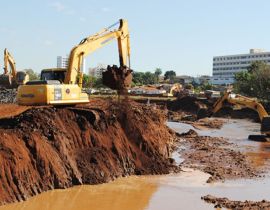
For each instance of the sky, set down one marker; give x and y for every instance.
(172, 35)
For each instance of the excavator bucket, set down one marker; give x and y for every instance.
(265, 126)
(117, 78)
(6, 81)
(265, 130)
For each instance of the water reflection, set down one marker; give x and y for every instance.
(127, 193)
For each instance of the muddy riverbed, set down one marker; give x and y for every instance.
(176, 191)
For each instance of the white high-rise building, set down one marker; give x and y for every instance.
(224, 67)
(97, 71)
(62, 62)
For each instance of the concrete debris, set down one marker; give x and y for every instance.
(7, 96)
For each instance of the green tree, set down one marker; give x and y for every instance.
(89, 81)
(254, 82)
(207, 86)
(158, 73)
(138, 78)
(144, 78)
(169, 75)
(98, 83)
(32, 75)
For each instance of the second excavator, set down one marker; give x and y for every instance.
(245, 102)
(64, 86)
(12, 78)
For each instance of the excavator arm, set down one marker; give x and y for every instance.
(236, 99)
(9, 60)
(92, 43)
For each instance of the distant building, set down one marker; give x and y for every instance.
(97, 71)
(203, 79)
(183, 79)
(224, 67)
(62, 62)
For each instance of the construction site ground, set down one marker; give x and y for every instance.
(44, 148)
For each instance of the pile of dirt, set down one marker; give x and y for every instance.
(206, 123)
(215, 156)
(117, 78)
(187, 103)
(46, 147)
(237, 205)
(244, 113)
(7, 95)
(190, 106)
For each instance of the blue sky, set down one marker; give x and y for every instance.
(173, 35)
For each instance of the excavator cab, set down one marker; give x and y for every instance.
(22, 78)
(53, 74)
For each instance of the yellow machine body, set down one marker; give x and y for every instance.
(55, 94)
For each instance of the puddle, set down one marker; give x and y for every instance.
(171, 192)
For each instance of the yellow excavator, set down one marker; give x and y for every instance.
(174, 90)
(12, 78)
(64, 86)
(245, 102)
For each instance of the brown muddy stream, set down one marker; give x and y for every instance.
(171, 192)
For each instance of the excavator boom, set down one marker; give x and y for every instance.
(94, 42)
(9, 60)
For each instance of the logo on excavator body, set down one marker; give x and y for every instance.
(68, 91)
(28, 95)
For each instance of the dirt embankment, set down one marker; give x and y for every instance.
(46, 148)
(237, 205)
(215, 156)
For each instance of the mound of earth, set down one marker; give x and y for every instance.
(237, 205)
(45, 147)
(244, 113)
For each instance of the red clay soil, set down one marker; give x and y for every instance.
(10, 110)
(46, 148)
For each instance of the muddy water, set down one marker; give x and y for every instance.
(237, 131)
(132, 193)
(181, 191)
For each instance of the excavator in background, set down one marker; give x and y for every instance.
(174, 90)
(13, 78)
(245, 102)
(64, 86)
